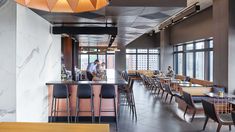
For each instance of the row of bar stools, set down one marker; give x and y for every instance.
(60, 91)
(85, 91)
(108, 92)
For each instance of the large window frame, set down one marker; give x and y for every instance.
(185, 49)
(97, 52)
(148, 54)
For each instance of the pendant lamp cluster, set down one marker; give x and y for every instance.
(64, 6)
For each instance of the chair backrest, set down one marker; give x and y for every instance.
(167, 88)
(84, 91)
(126, 76)
(161, 85)
(107, 91)
(188, 99)
(142, 76)
(130, 85)
(233, 116)
(187, 78)
(155, 83)
(60, 91)
(209, 109)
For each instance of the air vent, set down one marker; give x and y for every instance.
(2, 2)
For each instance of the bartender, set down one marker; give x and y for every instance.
(91, 70)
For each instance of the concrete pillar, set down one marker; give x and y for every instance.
(120, 59)
(166, 52)
(224, 43)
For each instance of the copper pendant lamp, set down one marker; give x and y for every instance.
(64, 6)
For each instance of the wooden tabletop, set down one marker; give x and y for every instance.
(52, 127)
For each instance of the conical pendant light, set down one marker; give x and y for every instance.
(64, 6)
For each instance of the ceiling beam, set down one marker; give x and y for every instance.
(72, 30)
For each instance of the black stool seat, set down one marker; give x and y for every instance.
(84, 91)
(107, 91)
(60, 91)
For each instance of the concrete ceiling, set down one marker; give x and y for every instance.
(132, 17)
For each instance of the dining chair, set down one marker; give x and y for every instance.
(221, 119)
(170, 92)
(187, 97)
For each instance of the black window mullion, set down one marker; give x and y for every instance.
(184, 61)
(194, 60)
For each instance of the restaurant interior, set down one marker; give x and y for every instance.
(117, 65)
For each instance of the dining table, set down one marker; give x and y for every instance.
(224, 102)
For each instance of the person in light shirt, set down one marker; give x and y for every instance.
(91, 70)
(170, 72)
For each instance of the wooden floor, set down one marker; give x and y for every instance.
(52, 127)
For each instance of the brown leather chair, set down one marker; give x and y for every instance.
(190, 104)
(221, 119)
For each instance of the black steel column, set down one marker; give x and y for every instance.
(74, 59)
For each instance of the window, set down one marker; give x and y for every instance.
(131, 62)
(84, 61)
(102, 58)
(180, 63)
(180, 48)
(142, 59)
(92, 58)
(153, 51)
(195, 59)
(89, 55)
(142, 62)
(200, 45)
(200, 65)
(154, 62)
(189, 47)
(142, 50)
(189, 64)
(111, 61)
(130, 50)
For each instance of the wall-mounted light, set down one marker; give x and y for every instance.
(184, 14)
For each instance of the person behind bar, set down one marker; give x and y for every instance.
(91, 70)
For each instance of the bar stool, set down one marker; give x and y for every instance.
(108, 92)
(60, 91)
(85, 91)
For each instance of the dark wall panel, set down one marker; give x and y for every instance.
(196, 27)
(146, 41)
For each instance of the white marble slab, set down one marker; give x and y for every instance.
(38, 60)
(8, 60)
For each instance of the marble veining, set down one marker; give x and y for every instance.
(4, 112)
(45, 58)
(27, 60)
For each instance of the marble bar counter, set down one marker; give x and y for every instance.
(107, 104)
